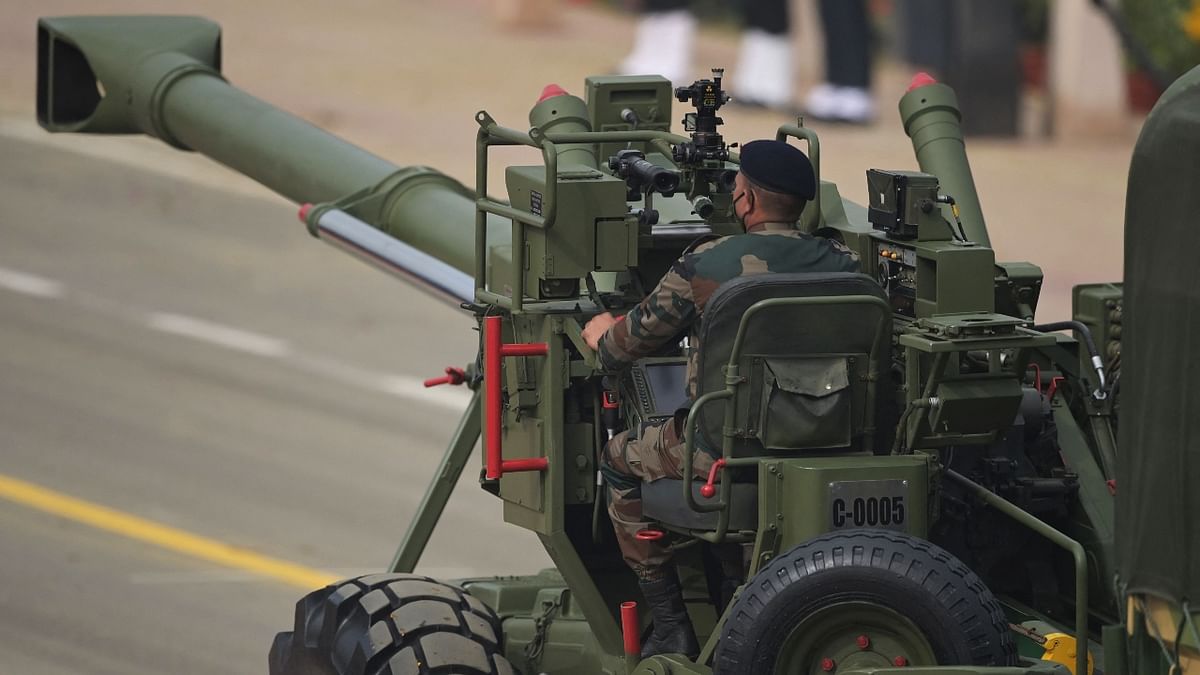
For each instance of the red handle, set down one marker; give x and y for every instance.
(453, 376)
(1037, 375)
(630, 629)
(1054, 382)
(709, 489)
(649, 535)
(494, 350)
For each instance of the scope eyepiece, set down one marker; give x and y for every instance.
(703, 206)
(663, 180)
(725, 180)
(642, 175)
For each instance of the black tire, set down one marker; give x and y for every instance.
(910, 599)
(390, 624)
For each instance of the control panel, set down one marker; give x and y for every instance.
(896, 271)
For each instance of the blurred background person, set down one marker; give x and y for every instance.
(763, 72)
(763, 75)
(845, 95)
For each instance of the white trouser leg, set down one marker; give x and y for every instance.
(662, 46)
(764, 69)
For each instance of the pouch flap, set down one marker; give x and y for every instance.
(816, 377)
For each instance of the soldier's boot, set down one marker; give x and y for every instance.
(672, 629)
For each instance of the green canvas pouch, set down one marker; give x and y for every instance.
(806, 403)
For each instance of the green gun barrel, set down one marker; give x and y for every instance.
(931, 119)
(160, 75)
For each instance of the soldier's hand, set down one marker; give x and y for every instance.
(596, 328)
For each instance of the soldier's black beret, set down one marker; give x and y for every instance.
(779, 167)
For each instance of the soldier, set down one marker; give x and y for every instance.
(770, 191)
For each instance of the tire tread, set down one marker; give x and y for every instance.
(959, 591)
(388, 624)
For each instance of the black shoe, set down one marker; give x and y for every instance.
(672, 628)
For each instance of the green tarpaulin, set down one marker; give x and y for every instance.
(1158, 485)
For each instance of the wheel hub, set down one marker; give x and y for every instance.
(852, 635)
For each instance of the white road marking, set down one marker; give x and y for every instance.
(30, 284)
(400, 386)
(453, 397)
(218, 334)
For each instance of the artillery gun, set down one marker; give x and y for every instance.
(912, 475)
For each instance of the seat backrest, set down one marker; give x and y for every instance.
(807, 368)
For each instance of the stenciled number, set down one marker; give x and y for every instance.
(869, 511)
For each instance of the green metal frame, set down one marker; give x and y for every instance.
(733, 379)
(1059, 539)
(811, 218)
(492, 134)
(923, 344)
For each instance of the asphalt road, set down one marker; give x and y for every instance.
(190, 356)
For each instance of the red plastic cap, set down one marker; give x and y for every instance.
(551, 91)
(921, 79)
(304, 209)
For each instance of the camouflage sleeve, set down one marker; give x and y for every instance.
(842, 248)
(666, 312)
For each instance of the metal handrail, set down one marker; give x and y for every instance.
(811, 218)
(490, 133)
(1059, 539)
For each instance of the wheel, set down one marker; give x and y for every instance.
(390, 624)
(862, 599)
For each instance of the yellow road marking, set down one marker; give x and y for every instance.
(170, 538)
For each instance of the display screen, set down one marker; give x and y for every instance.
(668, 386)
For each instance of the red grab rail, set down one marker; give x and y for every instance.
(494, 349)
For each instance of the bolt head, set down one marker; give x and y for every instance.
(900, 662)
(827, 664)
(862, 641)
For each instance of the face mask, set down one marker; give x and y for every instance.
(741, 220)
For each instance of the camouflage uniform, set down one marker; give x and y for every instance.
(674, 305)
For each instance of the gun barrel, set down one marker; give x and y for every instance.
(344, 231)
(159, 75)
(202, 112)
(931, 119)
